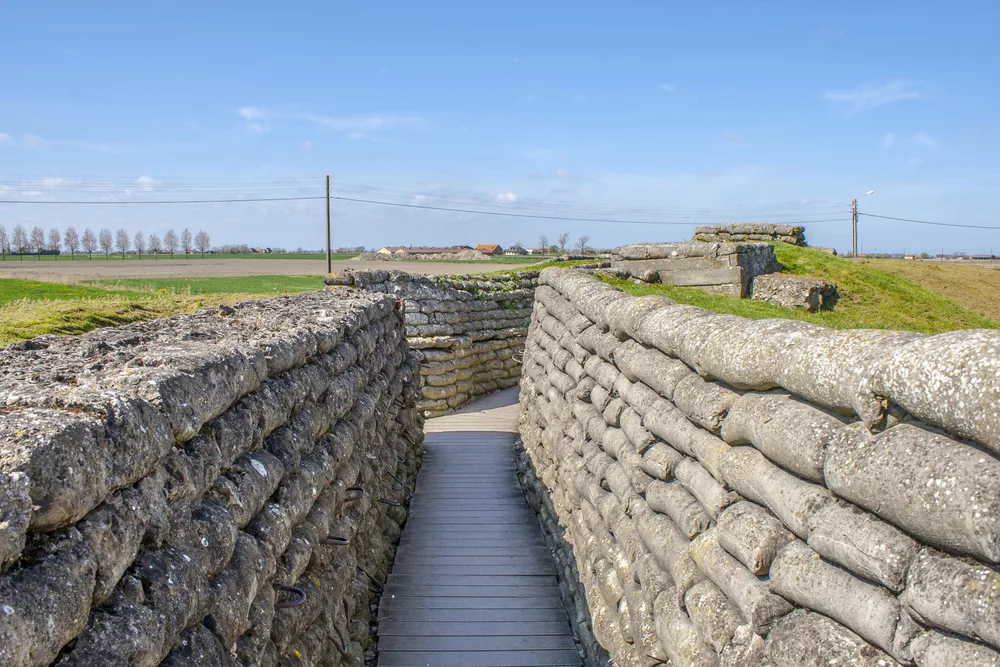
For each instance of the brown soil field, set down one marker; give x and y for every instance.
(975, 286)
(217, 267)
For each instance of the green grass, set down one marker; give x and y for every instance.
(264, 285)
(15, 289)
(870, 298)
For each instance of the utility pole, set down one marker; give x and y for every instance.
(854, 228)
(329, 258)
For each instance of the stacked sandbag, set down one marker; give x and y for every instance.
(467, 331)
(224, 488)
(751, 231)
(740, 492)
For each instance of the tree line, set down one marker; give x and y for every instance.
(22, 243)
(562, 241)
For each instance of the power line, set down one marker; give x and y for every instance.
(506, 214)
(927, 222)
(162, 201)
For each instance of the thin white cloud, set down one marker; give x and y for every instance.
(871, 96)
(666, 87)
(914, 162)
(889, 140)
(251, 113)
(307, 144)
(367, 123)
(51, 182)
(5, 138)
(733, 139)
(506, 198)
(926, 140)
(146, 183)
(564, 174)
(33, 141)
(355, 135)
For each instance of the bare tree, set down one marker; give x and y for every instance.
(582, 244)
(186, 241)
(89, 243)
(20, 240)
(37, 241)
(107, 242)
(4, 243)
(122, 241)
(154, 244)
(140, 243)
(543, 242)
(71, 240)
(562, 240)
(202, 242)
(170, 241)
(55, 241)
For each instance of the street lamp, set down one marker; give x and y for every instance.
(854, 223)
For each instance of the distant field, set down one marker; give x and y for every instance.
(975, 286)
(267, 284)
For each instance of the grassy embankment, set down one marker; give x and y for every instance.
(30, 308)
(871, 297)
(117, 256)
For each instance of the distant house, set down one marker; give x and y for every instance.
(911, 257)
(983, 257)
(263, 251)
(515, 250)
(490, 248)
(539, 251)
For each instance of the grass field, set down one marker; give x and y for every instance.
(923, 297)
(871, 298)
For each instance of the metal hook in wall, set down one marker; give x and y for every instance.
(291, 589)
(353, 494)
(378, 586)
(336, 540)
(390, 502)
(402, 459)
(398, 481)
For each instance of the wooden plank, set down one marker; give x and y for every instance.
(433, 569)
(539, 658)
(511, 629)
(416, 604)
(441, 590)
(465, 615)
(475, 642)
(408, 580)
(410, 560)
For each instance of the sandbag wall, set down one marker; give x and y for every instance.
(224, 488)
(467, 331)
(768, 492)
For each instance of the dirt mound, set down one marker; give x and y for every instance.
(462, 255)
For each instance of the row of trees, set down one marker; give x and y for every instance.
(22, 243)
(561, 242)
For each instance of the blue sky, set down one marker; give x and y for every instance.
(653, 111)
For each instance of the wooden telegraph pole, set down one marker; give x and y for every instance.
(329, 258)
(854, 228)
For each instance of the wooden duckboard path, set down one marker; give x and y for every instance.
(473, 584)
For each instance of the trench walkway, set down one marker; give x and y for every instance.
(473, 584)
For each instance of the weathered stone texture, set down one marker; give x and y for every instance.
(160, 483)
(766, 492)
(466, 331)
(795, 292)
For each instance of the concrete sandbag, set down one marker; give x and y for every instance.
(935, 649)
(807, 639)
(557, 306)
(954, 594)
(664, 328)
(751, 596)
(659, 461)
(856, 540)
(755, 478)
(699, 482)
(836, 369)
(951, 380)
(672, 499)
(713, 614)
(799, 574)
(791, 433)
(669, 545)
(752, 535)
(658, 371)
(704, 403)
(638, 395)
(678, 635)
(935, 488)
(637, 434)
(745, 650)
(622, 320)
(598, 342)
(668, 423)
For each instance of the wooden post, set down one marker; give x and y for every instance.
(329, 258)
(854, 228)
